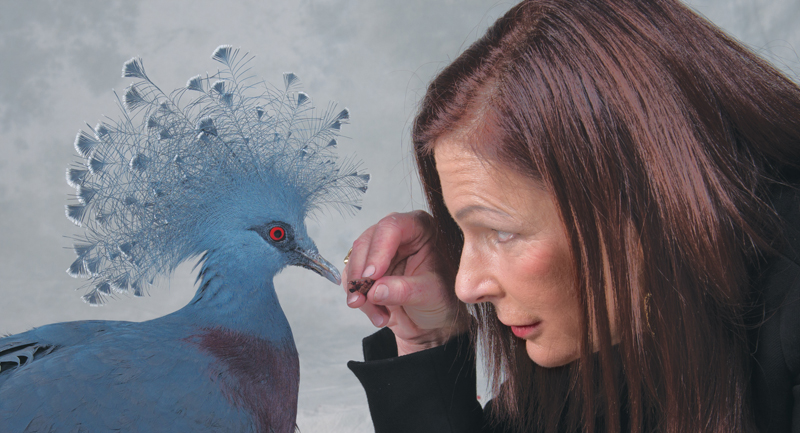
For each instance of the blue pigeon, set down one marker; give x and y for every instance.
(225, 170)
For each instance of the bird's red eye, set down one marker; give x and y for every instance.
(277, 234)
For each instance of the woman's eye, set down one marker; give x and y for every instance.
(504, 236)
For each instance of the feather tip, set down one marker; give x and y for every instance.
(134, 68)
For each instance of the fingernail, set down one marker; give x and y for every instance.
(368, 272)
(352, 298)
(377, 320)
(381, 292)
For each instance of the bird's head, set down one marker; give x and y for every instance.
(264, 230)
(295, 248)
(204, 169)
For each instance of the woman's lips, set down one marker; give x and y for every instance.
(525, 331)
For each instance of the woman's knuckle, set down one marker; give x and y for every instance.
(403, 291)
(360, 242)
(389, 222)
(421, 215)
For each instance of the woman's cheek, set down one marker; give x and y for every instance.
(541, 276)
(537, 259)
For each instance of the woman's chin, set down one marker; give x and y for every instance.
(550, 356)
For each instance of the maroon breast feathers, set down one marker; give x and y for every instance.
(254, 374)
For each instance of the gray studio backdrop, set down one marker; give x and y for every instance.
(59, 61)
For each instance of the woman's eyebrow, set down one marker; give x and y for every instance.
(465, 212)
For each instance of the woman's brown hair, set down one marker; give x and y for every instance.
(659, 137)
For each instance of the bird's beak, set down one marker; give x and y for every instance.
(312, 260)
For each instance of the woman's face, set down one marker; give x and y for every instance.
(515, 253)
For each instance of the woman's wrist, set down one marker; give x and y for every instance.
(405, 347)
(429, 340)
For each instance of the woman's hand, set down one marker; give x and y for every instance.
(408, 296)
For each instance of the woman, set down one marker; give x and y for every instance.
(612, 188)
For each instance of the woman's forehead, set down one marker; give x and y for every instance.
(463, 151)
(461, 155)
(462, 173)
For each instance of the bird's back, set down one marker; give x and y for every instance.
(150, 376)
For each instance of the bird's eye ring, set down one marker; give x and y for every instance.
(277, 233)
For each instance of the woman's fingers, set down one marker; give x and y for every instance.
(384, 247)
(408, 295)
(392, 239)
(377, 314)
(358, 255)
(424, 299)
(406, 290)
(420, 293)
(384, 244)
(355, 299)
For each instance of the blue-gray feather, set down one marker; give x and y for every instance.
(134, 68)
(195, 83)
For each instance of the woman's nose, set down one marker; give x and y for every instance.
(475, 282)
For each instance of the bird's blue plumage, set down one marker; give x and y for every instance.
(227, 168)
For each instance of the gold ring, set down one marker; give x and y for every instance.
(347, 257)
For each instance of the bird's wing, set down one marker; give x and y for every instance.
(23, 349)
(106, 376)
(20, 352)
(22, 358)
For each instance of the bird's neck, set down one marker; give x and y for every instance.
(239, 295)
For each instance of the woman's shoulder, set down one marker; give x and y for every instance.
(786, 200)
(786, 277)
(780, 281)
(776, 341)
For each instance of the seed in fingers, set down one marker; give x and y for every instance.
(361, 285)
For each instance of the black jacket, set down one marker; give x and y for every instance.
(434, 390)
